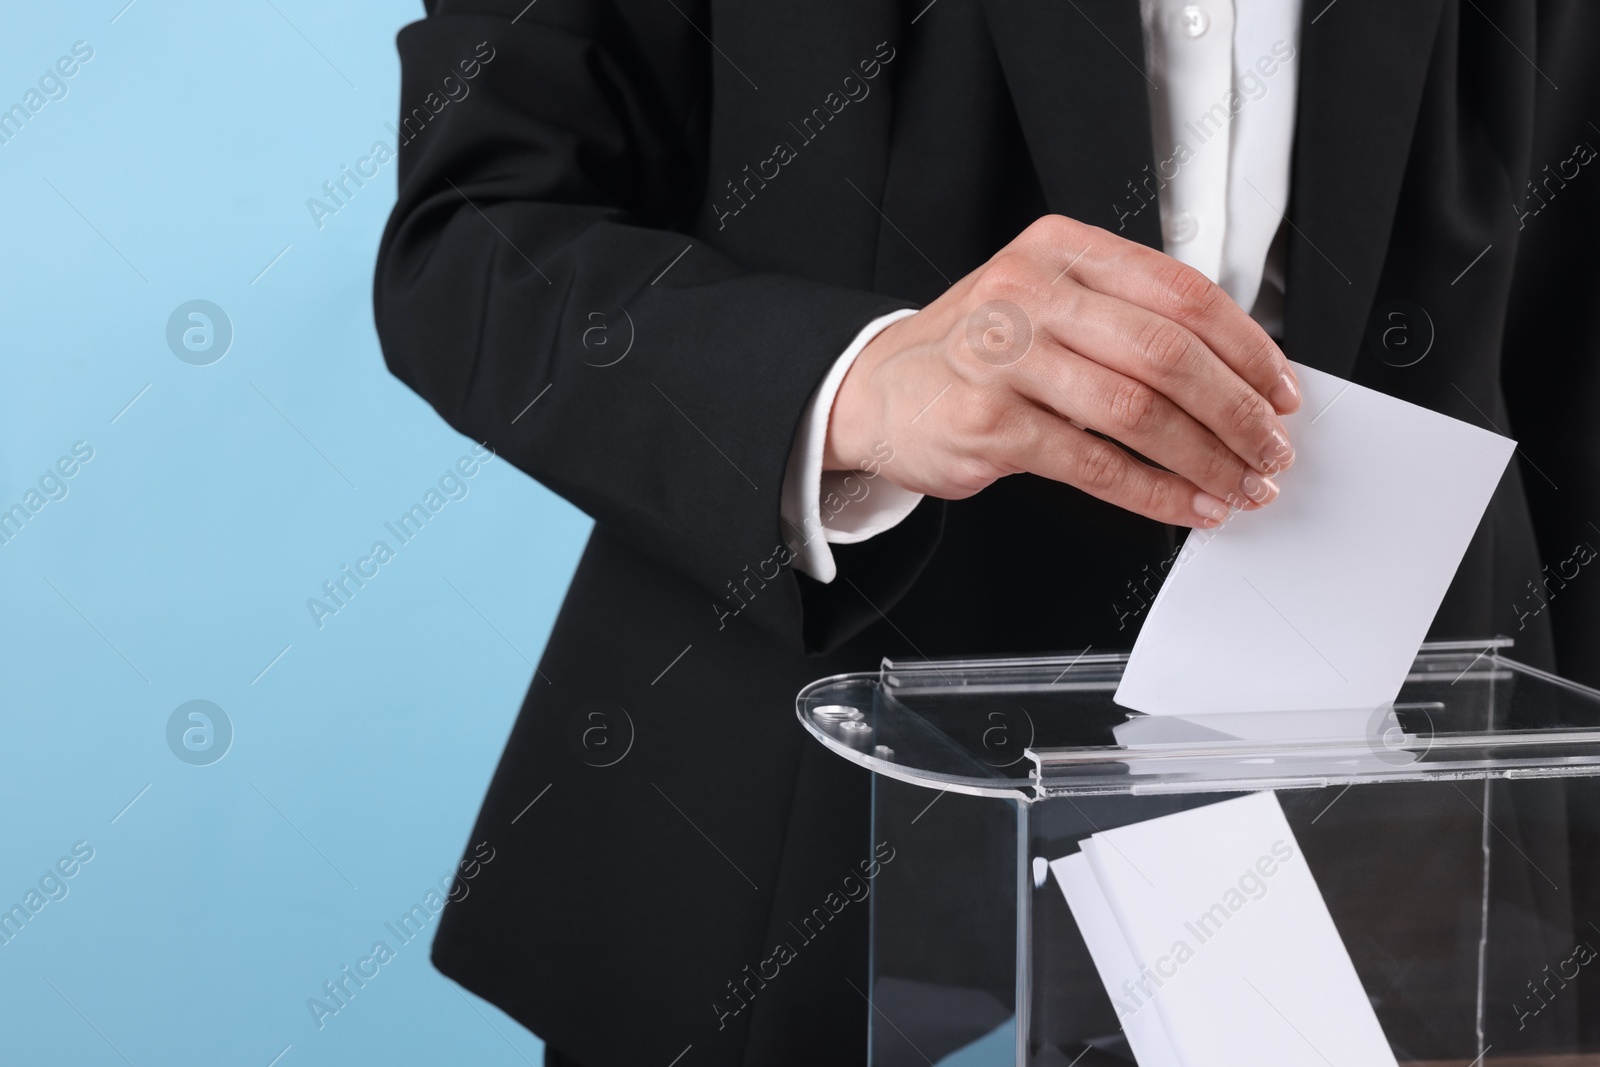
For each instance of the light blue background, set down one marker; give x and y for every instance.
(179, 564)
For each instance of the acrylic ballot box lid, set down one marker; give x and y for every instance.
(1034, 728)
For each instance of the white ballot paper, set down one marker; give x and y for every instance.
(1321, 599)
(1215, 945)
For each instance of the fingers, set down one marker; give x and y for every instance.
(1047, 446)
(1169, 359)
(1096, 397)
(1143, 276)
(1071, 333)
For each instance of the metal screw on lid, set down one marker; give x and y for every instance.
(836, 713)
(855, 726)
(883, 752)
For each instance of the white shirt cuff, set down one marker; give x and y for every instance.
(836, 507)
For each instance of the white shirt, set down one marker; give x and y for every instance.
(1224, 77)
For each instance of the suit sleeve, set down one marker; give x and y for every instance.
(535, 284)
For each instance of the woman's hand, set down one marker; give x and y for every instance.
(1069, 329)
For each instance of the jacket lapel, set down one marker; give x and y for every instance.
(1363, 65)
(1075, 69)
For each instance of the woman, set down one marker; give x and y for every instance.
(652, 253)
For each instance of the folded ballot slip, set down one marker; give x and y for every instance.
(1214, 943)
(1321, 599)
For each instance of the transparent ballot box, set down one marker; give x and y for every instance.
(1454, 837)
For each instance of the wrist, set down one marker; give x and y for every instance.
(848, 442)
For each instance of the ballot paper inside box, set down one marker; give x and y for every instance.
(1452, 837)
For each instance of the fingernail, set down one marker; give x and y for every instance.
(1258, 489)
(1278, 454)
(1285, 395)
(1211, 510)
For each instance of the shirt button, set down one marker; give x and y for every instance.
(1193, 21)
(1182, 227)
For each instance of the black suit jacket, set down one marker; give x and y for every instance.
(727, 193)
